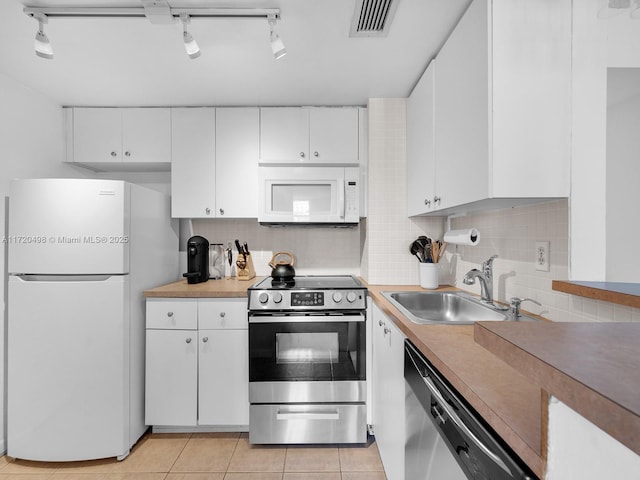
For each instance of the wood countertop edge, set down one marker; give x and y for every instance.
(603, 412)
(594, 293)
(223, 288)
(532, 456)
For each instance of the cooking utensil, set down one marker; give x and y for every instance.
(246, 248)
(416, 249)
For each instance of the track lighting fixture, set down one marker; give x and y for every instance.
(42, 45)
(157, 12)
(190, 45)
(277, 45)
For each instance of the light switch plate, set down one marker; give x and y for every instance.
(542, 256)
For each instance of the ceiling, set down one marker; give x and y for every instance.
(131, 62)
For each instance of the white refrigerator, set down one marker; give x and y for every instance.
(80, 254)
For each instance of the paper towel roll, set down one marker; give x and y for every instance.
(469, 236)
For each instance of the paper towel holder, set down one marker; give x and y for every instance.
(468, 236)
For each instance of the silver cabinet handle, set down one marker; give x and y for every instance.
(380, 322)
(386, 330)
(427, 202)
(222, 314)
(127, 154)
(188, 340)
(207, 210)
(114, 154)
(316, 154)
(205, 339)
(301, 154)
(436, 199)
(221, 211)
(169, 314)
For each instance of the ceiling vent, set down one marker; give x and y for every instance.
(372, 18)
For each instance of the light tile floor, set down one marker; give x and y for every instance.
(211, 456)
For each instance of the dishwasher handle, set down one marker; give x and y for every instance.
(456, 419)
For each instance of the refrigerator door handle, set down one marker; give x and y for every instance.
(63, 278)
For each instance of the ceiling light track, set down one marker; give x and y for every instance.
(157, 12)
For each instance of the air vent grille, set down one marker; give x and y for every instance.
(372, 18)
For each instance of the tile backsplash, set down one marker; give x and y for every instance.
(511, 234)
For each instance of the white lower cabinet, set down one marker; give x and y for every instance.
(388, 393)
(197, 376)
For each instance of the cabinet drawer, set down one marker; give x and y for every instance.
(174, 313)
(228, 313)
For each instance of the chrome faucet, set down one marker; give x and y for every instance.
(485, 277)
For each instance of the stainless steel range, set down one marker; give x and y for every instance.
(307, 350)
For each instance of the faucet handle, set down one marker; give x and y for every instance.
(515, 303)
(487, 266)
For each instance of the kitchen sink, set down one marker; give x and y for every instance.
(445, 308)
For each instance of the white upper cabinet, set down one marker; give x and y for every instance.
(420, 145)
(502, 108)
(237, 152)
(193, 167)
(309, 135)
(108, 138)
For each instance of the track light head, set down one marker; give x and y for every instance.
(190, 45)
(42, 45)
(277, 45)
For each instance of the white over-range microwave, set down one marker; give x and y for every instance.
(309, 195)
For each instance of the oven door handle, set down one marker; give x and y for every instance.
(327, 415)
(274, 318)
(462, 426)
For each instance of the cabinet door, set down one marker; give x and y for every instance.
(171, 377)
(420, 145)
(223, 377)
(462, 111)
(333, 135)
(193, 162)
(146, 135)
(237, 155)
(388, 394)
(97, 135)
(284, 135)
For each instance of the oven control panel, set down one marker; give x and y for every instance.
(307, 299)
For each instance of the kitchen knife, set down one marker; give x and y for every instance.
(246, 248)
(239, 247)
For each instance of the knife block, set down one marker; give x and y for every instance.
(245, 271)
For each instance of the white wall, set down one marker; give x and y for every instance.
(623, 175)
(32, 139)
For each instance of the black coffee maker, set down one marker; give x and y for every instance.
(197, 260)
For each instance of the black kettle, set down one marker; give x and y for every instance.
(282, 271)
(197, 260)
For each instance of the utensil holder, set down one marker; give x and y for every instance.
(428, 275)
(246, 271)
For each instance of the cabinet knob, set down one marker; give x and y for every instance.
(316, 154)
(169, 314)
(207, 210)
(222, 211)
(427, 202)
(205, 339)
(114, 154)
(386, 330)
(127, 154)
(188, 340)
(222, 314)
(436, 199)
(380, 322)
(301, 154)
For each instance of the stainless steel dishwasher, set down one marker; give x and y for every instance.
(446, 439)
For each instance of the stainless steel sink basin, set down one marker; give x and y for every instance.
(443, 308)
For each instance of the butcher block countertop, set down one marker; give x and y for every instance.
(225, 288)
(594, 368)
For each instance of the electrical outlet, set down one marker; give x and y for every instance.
(542, 256)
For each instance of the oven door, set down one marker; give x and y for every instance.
(307, 358)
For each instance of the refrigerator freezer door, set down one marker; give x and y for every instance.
(68, 369)
(68, 226)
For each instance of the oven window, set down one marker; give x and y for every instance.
(306, 351)
(320, 347)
